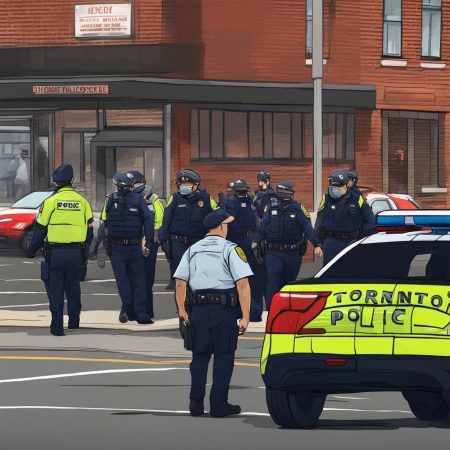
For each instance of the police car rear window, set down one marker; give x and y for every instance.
(427, 261)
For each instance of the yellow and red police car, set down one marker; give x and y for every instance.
(376, 318)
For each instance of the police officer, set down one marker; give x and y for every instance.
(265, 194)
(216, 271)
(284, 224)
(352, 182)
(241, 231)
(182, 223)
(64, 223)
(127, 218)
(224, 196)
(343, 216)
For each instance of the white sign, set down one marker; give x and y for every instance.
(104, 20)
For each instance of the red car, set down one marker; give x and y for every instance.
(17, 222)
(387, 202)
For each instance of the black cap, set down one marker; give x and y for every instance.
(63, 174)
(285, 187)
(188, 175)
(215, 218)
(239, 185)
(123, 180)
(352, 175)
(338, 178)
(263, 176)
(138, 176)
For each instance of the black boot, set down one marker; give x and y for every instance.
(123, 316)
(196, 408)
(227, 410)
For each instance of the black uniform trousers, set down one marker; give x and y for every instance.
(215, 332)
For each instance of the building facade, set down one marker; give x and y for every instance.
(224, 88)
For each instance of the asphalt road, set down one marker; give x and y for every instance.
(115, 389)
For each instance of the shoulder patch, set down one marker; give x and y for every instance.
(201, 203)
(360, 201)
(241, 254)
(169, 201)
(305, 212)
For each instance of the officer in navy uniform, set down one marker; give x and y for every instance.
(283, 226)
(265, 194)
(223, 196)
(182, 223)
(127, 219)
(64, 223)
(216, 271)
(343, 217)
(353, 181)
(241, 231)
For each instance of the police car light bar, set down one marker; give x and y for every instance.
(414, 218)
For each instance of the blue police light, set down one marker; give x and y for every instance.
(414, 218)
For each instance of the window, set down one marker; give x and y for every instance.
(380, 205)
(431, 28)
(221, 134)
(308, 28)
(75, 147)
(392, 28)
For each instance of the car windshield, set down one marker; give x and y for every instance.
(33, 200)
(412, 260)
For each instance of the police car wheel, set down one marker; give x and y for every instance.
(427, 405)
(25, 240)
(294, 409)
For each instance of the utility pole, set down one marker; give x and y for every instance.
(317, 75)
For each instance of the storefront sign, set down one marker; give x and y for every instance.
(75, 89)
(104, 20)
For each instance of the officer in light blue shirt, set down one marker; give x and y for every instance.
(217, 272)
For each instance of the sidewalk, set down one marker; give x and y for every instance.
(107, 319)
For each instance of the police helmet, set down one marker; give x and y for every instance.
(138, 176)
(352, 175)
(188, 175)
(123, 180)
(263, 176)
(338, 178)
(63, 174)
(239, 185)
(285, 188)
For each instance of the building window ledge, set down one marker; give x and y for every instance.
(394, 62)
(432, 65)
(433, 190)
(308, 62)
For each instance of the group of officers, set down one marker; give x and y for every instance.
(225, 258)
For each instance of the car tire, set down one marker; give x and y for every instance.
(25, 240)
(295, 409)
(427, 405)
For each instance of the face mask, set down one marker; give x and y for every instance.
(334, 192)
(185, 190)
(139, 189)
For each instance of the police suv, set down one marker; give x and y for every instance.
(376, 318)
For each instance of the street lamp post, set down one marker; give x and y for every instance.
(317, 75)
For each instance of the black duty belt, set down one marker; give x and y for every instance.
(241, 234)
(215, 298)
(184, 239)
(125, 241)
(283, 247)
(71, 245)
(343, 235)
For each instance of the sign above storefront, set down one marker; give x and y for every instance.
(103, 20)
(74, 89)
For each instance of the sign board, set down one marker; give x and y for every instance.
(103, 20)
(75, 89)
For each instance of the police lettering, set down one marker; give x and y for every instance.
(354, 315)
(69, 206)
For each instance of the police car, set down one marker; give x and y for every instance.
(375, 318)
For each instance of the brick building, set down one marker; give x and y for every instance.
(225, 88)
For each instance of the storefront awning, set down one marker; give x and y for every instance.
(49, 91)
(128, 138)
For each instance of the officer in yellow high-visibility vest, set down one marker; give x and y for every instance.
(64, 227)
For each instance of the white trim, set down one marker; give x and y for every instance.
(430, 65)
(394, 62)
(433, 190)
(308, 62)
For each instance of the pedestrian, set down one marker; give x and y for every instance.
(182, 223)
(150, 255)
(343, 217)
(64, 227)
(352, 183)
(242, 231)
(265, 194)
(283, 226)
(127, 220)
(216, 272)
(223, 196)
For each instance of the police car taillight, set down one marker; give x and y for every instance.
(291, 311)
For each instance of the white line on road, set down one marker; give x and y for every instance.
(93, 372)
(351, 398)
(168, 411)
(24, 306)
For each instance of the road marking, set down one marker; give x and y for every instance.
(168, 411)
(24, 306)
(6, 265)
(351, 398)
(108, 360)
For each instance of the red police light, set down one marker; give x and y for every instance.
(291, 311)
